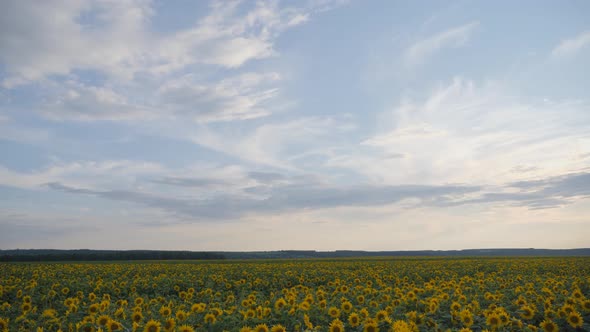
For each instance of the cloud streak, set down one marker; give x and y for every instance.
(454, 37)
(285, 198)
(571, 46)
(279, 199)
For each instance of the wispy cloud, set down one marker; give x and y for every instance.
(571, 46)
(120, 43)
(120, 46)
(243, 97)
(273, 143)
(295, 196)
(80, 173)
(467, 132)
(451, 38)
(279, 199)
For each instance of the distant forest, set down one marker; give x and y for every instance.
(40, 255)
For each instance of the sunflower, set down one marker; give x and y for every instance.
(165, 311)
(86, 328)
(152, 326)
(568, 308)
(371, 326)
(49, 313)
(549, 326)
(381, 315)
(137, 317)
(210, 319)
(401, 326)
(527, 312)
(336, 326)
(119, 313)
(3, 324)
(304, 306)
(493, 321)
(245, 329)
(217, 312)
(504, 317)
(334, 312)
(185, 328)
(346, 306)
(169, 325)
(181, 315)
(433, 307)
(307, 322)
(26, 306)
(103, 320)
(113, 325)
(280, 303)
(354, 319)
(575, 319)
(466, 318)
(261, 328)
(577, 294)
(278, 328)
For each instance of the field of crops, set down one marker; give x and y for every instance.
(495, 294)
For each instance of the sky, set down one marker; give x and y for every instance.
(309, 124)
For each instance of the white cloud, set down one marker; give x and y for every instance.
(35, 44)
(464, 133)
(570, 46)
(242, 97)
(78, 102)
(116, 40)
(82, 173)
(273, 144)
(115, 37)
(453, 37)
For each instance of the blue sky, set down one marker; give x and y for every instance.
(319, 124)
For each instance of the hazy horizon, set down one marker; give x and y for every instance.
(294, 125)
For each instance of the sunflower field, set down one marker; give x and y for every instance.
(385, 294)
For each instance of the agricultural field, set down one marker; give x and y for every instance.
(401, 294)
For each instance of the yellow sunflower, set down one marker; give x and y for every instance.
(354, 320)
(103, 320)
(3, 324)
(278, 328)
(113, 325)
(381, 315)
(169, 325)
(261, 328)
(210, 319)
(493, 321)
(136, 317)
(575, 319)
(527, 312)
(549, 326)
(185, 328)
(152, 326)
(371, 326)
(334, 312)
(336, 326)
